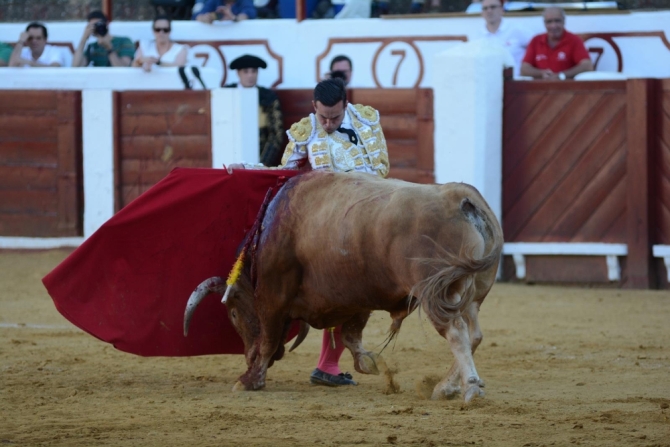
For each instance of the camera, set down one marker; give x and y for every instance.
(338, 74)
(100, 28)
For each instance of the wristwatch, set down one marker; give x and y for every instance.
(561, 76)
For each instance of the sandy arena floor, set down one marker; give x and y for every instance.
(562, 366)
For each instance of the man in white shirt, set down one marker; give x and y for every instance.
(514, 39)
(32, 50)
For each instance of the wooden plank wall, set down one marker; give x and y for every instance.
(406, 118)
(40, 164)
(661, 175)
(587, 162)
(156, 132)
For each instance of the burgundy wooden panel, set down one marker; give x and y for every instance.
(166, 147)
(29, 127)
(26, 178)
(661, 180)
(32, 203)
(403, 153)
(28, 152)
(295, 102)
(640, 94)
(403, 126)
(166, 124)
(395, 101)
(40, 163)
(40, 225)
(70, 199)
(149, 172)
(425, 138)
(564, 161)
(156, 132)
(34, 102)
(178, 102)
(566, 269)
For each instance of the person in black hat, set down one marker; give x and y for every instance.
(270, 119)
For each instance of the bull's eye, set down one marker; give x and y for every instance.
(233, 314)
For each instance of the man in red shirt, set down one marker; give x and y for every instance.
(557, 54)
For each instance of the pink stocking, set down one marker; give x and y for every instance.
(329, 358)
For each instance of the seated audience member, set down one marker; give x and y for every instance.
(557, 54)
(32, 49)
(5, 54)
(207, 11)
(107, 50)
(162, 50)
(514, 39)
(270, 120)
(343, 65)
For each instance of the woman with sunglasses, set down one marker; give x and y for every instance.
(160, 51)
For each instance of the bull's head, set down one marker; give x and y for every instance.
(242, 314)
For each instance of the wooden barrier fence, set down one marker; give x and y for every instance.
(587, 162)
(582, 161)
(40, 163)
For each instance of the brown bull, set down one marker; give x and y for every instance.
(335, 247)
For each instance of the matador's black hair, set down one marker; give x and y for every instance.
(330, 91)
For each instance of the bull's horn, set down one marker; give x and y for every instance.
(304, 330)
(215, 284)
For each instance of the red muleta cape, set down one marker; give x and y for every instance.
(129, 282)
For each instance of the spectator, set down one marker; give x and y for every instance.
(162, 50)
(32, 49)
(266, 9)
(5, 54)
(107, 50)
(343, 65)
(514, 39)
(557, 54)
(207, 11)
(270, 121)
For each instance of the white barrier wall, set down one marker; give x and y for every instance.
(468, 98)
(386, 53)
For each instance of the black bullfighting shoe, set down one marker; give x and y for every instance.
(319, 377)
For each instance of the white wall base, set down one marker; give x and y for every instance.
(519, 251)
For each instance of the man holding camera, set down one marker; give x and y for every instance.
(107, 50)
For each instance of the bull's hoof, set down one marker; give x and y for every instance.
(447, 392)
(472, 392)
(239, 386)
(367, 364)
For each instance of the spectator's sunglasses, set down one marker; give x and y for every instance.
(491, 7)
(162, 30)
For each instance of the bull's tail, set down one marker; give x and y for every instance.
(447, 292)
(450, 289)
(215, 285)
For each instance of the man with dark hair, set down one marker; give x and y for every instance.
(339, 137)
(341, 67)
(32, 49)
(107, 50)
(271, 121)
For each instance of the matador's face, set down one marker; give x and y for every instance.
(330, 117)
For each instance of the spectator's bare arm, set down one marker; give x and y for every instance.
(581, 67)
(15, 60)
(79, 60)
(537, 73)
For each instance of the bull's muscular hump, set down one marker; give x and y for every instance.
(334, 247)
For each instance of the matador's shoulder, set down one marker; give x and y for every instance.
(302, 131)
(366, 114)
